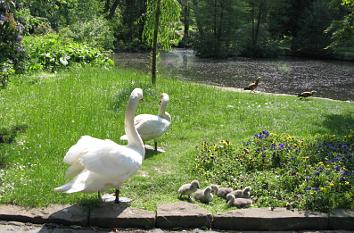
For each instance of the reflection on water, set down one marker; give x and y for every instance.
(330, 79)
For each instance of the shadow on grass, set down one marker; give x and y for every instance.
(340, 125)
(150, 153)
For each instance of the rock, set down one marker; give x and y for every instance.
(61, 214)
(182, 215)
(341, 219)
(121, 216)
(263, 219)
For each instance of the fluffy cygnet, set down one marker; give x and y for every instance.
(204, 195)
(219, 191)
(188, 189)
(238, 202)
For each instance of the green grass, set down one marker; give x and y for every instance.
(58, 109)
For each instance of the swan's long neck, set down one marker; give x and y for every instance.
(162, 112)
(134, 139)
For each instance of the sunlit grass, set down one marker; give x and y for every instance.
(59, 108)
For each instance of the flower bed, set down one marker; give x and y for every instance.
(283, 170)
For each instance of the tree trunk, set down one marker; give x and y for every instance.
(186, 22)
(113, 8)
(253, 14)
(259, 17)
(154, 43)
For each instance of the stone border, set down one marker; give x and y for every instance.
(181, 215)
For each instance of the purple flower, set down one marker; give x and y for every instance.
(281, 146)
(308, 188)
(341, 178)
(308, 178)
(316, 188)
(266, 133)
(337, 168)
(272, 146)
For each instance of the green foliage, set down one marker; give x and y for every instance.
(61, 13)
(218, 25)
(95, 33)
(11, 52)
(129, 33)
(283, 170)
(169, 18)
(50, 52)
(33, 24)
(311, 40)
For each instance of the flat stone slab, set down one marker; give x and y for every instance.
(121, 216)
(61, 214)
(265, 219)
(341, 219)
(182, 215)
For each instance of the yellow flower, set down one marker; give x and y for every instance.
(331, 184)
(323, 189)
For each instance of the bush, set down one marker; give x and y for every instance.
(284, 170)
(96, 33)
(51, 52)
(11, 52)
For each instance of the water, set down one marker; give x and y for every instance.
(331, 79)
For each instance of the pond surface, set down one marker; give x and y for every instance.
(331, 79)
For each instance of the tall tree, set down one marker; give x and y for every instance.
(161, 22)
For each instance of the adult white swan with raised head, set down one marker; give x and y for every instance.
(98, 165)
(151, 127)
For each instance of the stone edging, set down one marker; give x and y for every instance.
(181, 215)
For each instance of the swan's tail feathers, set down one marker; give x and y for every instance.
(78, 184)
(73, 170)
(64, 188)
(124, 138)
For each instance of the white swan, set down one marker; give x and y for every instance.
(151, 127)
(102, 164)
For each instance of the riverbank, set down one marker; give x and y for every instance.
(331, 79)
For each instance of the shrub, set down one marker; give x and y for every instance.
(96, 33)
(51, 52)
(284, 170)
(11, 52)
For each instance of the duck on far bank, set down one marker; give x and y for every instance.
(253, 86)
(306, 94)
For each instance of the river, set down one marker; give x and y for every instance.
(331, 79)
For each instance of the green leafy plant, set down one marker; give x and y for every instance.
(51, 52)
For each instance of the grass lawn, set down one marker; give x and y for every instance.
(59, 108)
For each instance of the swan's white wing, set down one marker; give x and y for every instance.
(143, 117)
(112, 160)
(152, 128)
(138, 120)
(85, 144)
